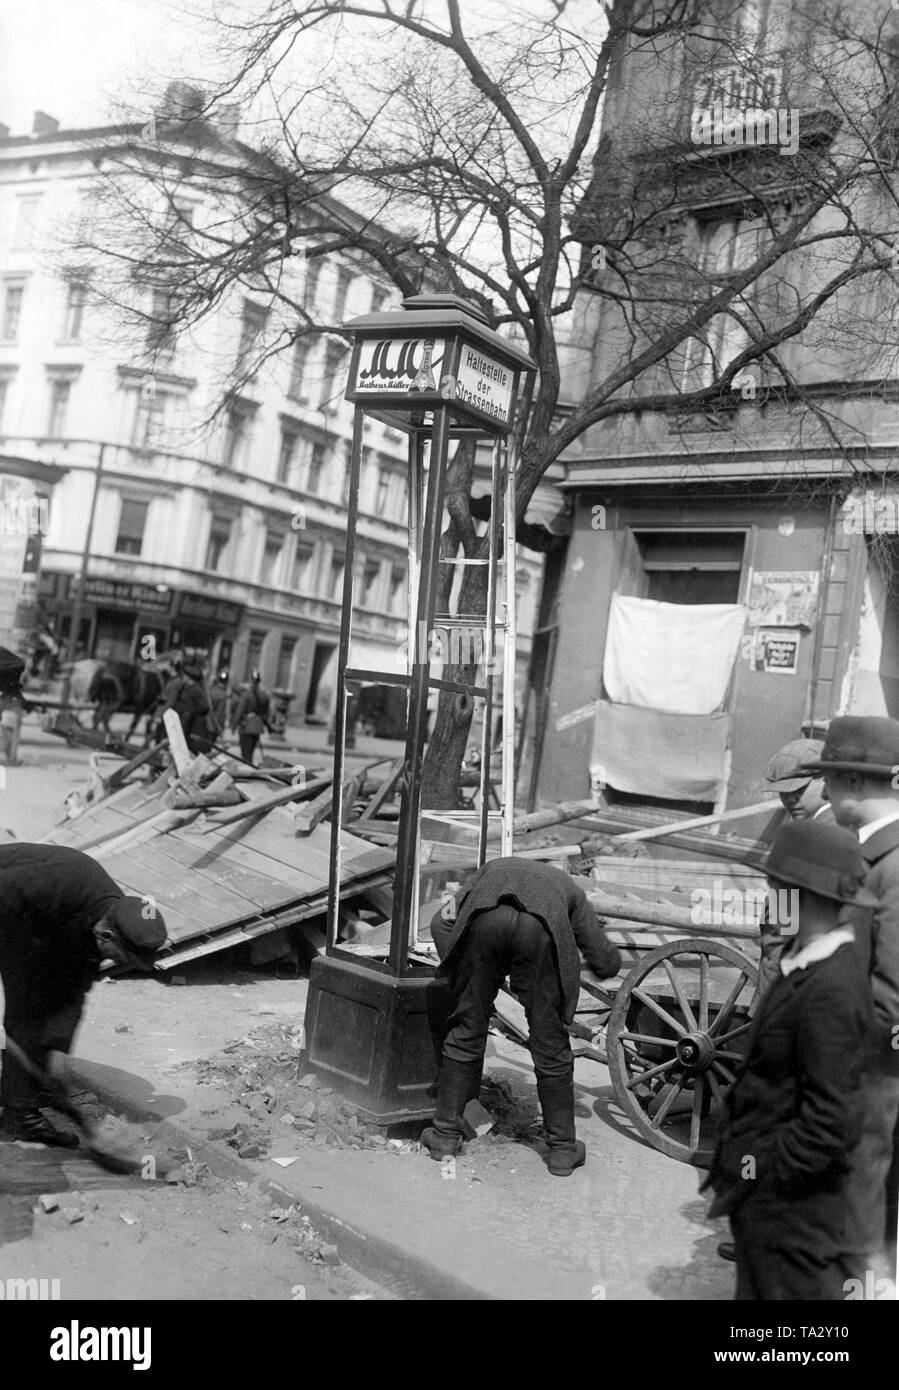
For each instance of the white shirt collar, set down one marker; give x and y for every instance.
(819, 948)
(866, 831)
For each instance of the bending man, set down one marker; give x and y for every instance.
(519, 918)
(61, 917)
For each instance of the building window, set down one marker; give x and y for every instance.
(335, 576)
(691, 566)
(76, 298)
(382, 493)
(13, 294)
(4, 392)
(287, 455)
(723, 249)
(251, 325)
(335, 356)
(344, 280)
(161, 330)
(237, 435)
(149, 420)
(299, 363)
(219, 540)
(379, 297)
(316, 466)
(371, 574)
(132, 520)
(254, 654)
(271, 557)
(313, 275)
(285, 661)
(60, 391)
(397, 590)
(26, 222)
(302, 569)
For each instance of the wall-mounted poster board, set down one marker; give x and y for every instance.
(777, 651)
(783, 598)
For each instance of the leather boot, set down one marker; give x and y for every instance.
(565, 1151)
(444, 1138)
(32, 1127)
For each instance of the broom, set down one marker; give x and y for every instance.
(105, 1158)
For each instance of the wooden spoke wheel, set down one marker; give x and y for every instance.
(677, 1034)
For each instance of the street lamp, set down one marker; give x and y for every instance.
(436, 371)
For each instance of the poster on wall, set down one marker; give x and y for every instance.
(783, 598)
(777, 651)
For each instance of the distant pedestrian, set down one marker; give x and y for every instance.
(220, 697)
(251, 717)
(185, 694)
(793, 1119)
(11, 710)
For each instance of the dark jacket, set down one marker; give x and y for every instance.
(50, 897)
(253, 701)
(796, 1107)
(554, 897)
(879, 941)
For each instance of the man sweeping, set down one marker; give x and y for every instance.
(61, 917)
(524, 919)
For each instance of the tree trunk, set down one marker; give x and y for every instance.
(452, 723)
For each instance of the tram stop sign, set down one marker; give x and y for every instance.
(438, 350)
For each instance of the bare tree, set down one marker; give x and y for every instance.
(463, 152)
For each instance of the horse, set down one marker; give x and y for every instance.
(132, 686)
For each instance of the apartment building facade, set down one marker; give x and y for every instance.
(759, 502)
(225, 532)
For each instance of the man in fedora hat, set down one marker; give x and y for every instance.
(801, 795)
(61, 918)
(795, 1112)
(860, 765)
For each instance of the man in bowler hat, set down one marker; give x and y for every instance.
(860, 765)
(795, 1112)
(523, 919)
(61, 918)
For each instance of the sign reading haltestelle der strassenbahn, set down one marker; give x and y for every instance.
(388, 367)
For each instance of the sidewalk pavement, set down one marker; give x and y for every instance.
(628, 1226)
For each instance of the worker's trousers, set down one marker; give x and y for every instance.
(497, 943)
(40, 1027)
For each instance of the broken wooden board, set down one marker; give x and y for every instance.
(222, 883)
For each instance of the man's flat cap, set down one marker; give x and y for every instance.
(823, 858)
(858, 743)
(140, 925)
(783, 771)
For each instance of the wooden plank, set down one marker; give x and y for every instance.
(262, 891)
(209, 899)
(266, 803)
(116, 778)
(181, 754)
(311, 813)
(697, 822)
(385, 791)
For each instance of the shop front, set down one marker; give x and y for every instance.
(124, 620)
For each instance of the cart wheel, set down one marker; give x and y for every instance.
(676, 1036)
